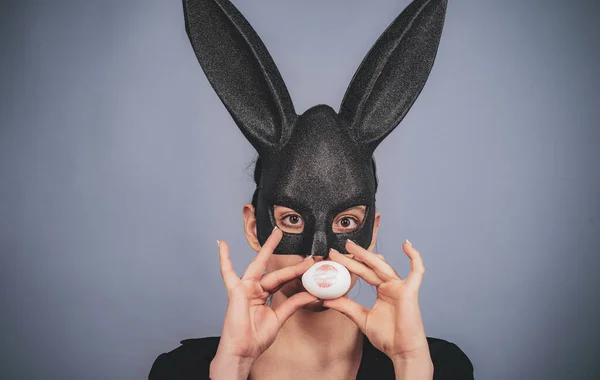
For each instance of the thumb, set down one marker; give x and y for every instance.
(351, 309)
(291, 305)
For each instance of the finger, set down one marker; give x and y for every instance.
(417, 268)
(359, 269)
(291, 305)
(381, 267)
(352, 309)
(230, 278)
(379, 256)
(257, 267)
(271, 282)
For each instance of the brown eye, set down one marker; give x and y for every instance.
(293, 219)
(288, 220)
(346, 222)
(349, 220)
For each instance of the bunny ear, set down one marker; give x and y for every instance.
(241, 71)
(393, 73)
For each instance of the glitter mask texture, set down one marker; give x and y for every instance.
(318, 163)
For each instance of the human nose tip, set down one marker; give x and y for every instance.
(322, 258)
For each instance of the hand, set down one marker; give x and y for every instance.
(250, 326)
(393, 324)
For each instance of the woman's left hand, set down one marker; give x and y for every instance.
(393, 325)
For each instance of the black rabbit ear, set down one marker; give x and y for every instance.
(393, 73)
(241, 71)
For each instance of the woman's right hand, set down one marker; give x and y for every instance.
(250, 325)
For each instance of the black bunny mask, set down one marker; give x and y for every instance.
(318, 163)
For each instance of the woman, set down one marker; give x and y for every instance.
(298, 336)
(315, 200)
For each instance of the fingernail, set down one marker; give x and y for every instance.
(274, 229)
(409, 243)
(308, 257)
(218, 242)
(333, 250)
(352, 242)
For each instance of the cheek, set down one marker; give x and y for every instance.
(277, 262)
(271, 266)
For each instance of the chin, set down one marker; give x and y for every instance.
(315, 307)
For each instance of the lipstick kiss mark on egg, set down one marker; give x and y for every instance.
(325, 275)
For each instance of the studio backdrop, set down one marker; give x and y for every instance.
(120, 167)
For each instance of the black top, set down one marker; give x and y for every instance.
(192, 360)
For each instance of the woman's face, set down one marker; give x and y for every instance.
(291, 221)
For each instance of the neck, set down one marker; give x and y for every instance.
(320, 337)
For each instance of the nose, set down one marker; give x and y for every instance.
(319, 245)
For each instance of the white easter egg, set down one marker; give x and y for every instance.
(326, 280)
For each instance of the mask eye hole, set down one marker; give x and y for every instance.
(288, 220)
(349, 220)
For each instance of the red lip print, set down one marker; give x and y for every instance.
(325, 275)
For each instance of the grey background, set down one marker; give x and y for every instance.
(119, 168)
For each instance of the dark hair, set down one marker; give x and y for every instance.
(258, 171)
